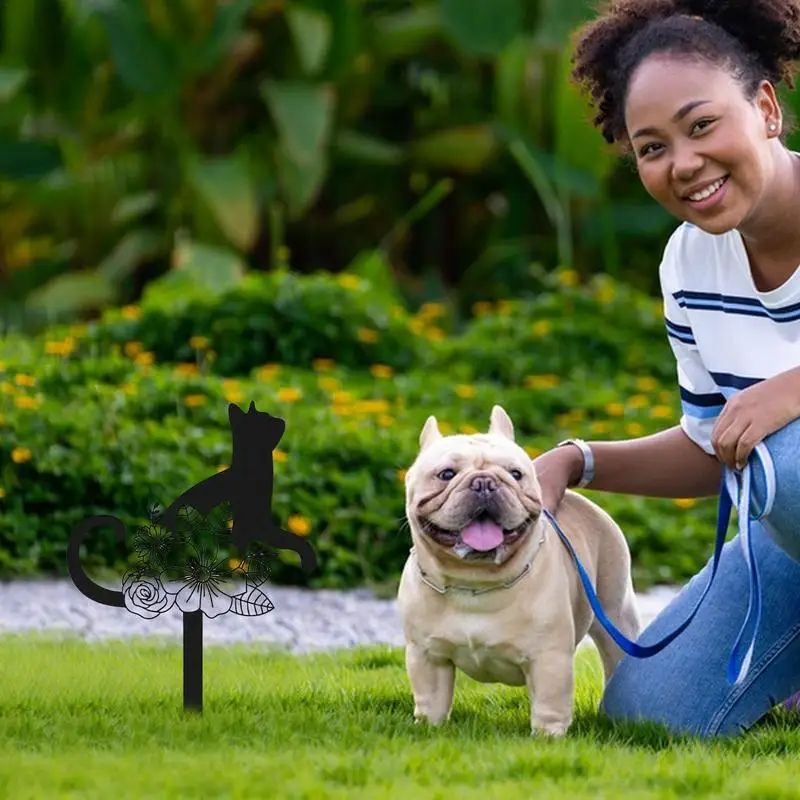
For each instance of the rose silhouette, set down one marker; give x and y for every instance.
(145, 595)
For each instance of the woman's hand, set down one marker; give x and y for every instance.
(556, 470)
(753, 414)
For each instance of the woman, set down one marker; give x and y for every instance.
(688, 89)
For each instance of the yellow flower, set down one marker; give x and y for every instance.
(533, 452)
(371, 407)
(542, 327)
(299, 525)
(481, 307)
(637, 401)
(468, 429)
(615, 409)
(194, 400)
(465, 391)
(381, 371)
(662, 412)
(25, 380)
(268, 371)
(78, 330)
(431, 310)
(2, 492)
(132, 349)
(145, 359)
(233, 396)
(278, 455)
(367, 335)
(605, 295)
(131, 312)
(401, 475)
(435, 334)
(7, 387)
(236, 563)
(385, 421)
(20, 454)
(289, 395)
(635, 428)
(646, 384)
(567, 277)
(348, 281)
(600, 427)
(26, 402)
(341, 397)
(129, 388)
(417, 326)
(685, 502)
(328, 384)
(504, 308)
(199, 342)
(60, 348)
(186, 369)
(323, 364)
(445, 428)
(541, 381)
(665, 396)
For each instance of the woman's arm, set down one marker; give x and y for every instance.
(665, 464)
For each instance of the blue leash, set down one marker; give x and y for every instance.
(732, 492)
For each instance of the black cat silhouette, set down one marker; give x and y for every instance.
(246, 484)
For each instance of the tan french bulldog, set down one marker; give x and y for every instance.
(489, 587)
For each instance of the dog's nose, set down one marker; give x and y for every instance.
(483, 484)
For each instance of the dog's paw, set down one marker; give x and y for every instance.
(551, 730)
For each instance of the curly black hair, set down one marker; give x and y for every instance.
(754, 39)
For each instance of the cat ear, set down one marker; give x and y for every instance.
(234, 411)
(252, 409)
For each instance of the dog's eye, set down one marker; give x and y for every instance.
(447, 474)
(517, 474)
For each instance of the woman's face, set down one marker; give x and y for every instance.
(690, 127)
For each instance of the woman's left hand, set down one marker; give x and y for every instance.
(753, 414)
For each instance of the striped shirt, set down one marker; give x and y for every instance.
(725, 334)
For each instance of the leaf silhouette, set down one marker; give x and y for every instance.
(251, 603)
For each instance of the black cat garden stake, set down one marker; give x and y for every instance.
(178, 552)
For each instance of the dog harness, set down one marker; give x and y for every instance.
(735, 490)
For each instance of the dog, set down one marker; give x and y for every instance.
(490, 589)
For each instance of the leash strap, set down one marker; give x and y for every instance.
(731, 493)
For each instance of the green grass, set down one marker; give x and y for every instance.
(106, 721)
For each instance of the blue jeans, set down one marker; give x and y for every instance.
(685, 685)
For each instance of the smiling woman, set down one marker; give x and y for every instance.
(689, 91)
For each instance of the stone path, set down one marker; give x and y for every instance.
(302, 620)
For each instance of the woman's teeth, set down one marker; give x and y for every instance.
(708, 191)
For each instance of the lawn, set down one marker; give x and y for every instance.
(102, 721)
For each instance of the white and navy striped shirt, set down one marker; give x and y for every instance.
(725, 334)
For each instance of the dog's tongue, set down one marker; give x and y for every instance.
(482, 535)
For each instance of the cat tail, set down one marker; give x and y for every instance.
(92, 590)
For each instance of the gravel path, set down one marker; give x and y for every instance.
(302, 620)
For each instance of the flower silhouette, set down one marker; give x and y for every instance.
(145, 594)
(184, 569)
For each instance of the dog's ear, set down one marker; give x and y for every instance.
(430, 433)
(500, 423)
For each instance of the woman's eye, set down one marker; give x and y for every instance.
(644, 151)
(516, 474)
(702, 122)
(447, 474)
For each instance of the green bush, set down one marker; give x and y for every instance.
(278, 317)
(101, 431)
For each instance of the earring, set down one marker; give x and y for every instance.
(773, 127)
